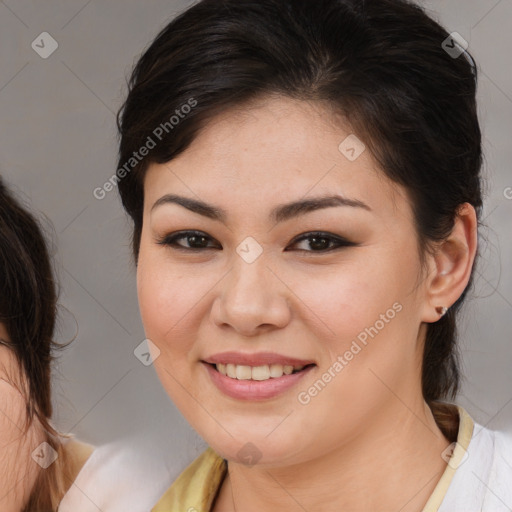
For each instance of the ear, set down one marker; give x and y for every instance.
(451, 264)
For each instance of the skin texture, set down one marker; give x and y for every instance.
(367, 441)
(18, 471)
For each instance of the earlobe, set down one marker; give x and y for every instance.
(452, 265)
(441, 310)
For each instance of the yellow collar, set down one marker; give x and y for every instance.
(466, 426)
(196, 488)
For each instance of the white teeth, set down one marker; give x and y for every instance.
(230, 370)
(243, 372)
(264, 372)
(261, 372)
(288, 370)
(276, 370)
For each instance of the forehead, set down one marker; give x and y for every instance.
(274, 149)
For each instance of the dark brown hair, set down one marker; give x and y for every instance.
(379, 63)
(28, 302)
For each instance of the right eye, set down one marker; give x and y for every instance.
(196, 241)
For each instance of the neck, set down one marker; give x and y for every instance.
(395, 464)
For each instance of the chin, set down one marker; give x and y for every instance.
(252, 447)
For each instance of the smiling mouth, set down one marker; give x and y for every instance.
(257, 373)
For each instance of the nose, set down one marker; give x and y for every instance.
(251, 299)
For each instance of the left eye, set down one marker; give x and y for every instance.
(198, 241)
(323, 242)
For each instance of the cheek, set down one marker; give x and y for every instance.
(163, 299)
(353, 297)
(365, 313)
(172, 302)
(13, 414)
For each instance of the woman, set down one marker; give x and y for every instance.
(38, 465)
(304, 181)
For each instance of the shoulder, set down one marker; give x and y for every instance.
(501, 469)
(483, 478)
(124, 475)
(495, 448)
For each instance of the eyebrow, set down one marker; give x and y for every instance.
(280, 213)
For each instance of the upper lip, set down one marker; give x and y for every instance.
(256, 359)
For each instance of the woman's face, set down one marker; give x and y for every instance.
(262, 293)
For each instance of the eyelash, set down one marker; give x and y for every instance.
(171, 241)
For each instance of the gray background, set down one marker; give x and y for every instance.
(58, 143)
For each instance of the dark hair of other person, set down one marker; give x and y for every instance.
(28, 309)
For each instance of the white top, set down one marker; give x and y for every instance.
(483, 479)
(125, 476)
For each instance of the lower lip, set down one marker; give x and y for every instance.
(254, 389)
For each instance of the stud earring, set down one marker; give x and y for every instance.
(441, 311)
